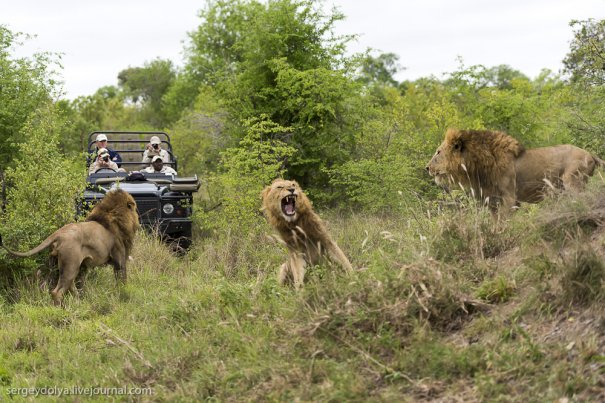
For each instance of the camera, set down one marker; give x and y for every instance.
(155, 146)
(106, 158)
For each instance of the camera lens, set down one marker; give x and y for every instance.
(155, 145)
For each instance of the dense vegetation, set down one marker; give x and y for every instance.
(443, 304)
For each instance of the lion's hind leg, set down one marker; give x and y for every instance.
(574, 179)
(68, 271)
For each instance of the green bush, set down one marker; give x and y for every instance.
(43, 187)
(247, 169)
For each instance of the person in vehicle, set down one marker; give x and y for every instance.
(154, 148)
(157, 166)
(101, 143)
(103, 160)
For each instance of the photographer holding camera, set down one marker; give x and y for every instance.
(102, 161)
(101, 143)
(154, 148)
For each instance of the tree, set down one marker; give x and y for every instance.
(502, 77)
(585, 63)
(25, 85)
(586, 58)
(279, 59)
(146, 86)
(380, 69)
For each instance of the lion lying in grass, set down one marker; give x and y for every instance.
(501, 172)
(105, 237)
(290, 212)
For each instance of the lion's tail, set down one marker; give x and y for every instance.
(45, 244)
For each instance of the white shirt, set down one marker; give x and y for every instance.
(149, 154)
(94, 167)
(165, 170)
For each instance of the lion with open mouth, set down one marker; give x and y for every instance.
(290, 212)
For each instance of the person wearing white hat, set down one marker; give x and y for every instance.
(101, 143)
(155, 148)
(157, 167)
(103, 160)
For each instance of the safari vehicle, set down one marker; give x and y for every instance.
(164, 202)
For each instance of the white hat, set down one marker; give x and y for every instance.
(157, 157)
(101, 137)
(155, 140)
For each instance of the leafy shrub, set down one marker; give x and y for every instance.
(254, 163)
(377, 185)
(43, 186)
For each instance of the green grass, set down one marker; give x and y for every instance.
(441, 306)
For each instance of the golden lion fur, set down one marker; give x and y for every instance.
(106, 237)
(501, 172)
(301, 229)
(563, 167)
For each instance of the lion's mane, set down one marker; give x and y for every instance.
(114, 213)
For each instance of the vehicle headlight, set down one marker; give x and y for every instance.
(168, 208)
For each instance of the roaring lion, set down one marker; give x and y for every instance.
(501, 172)
(290, 212)
(106, 236)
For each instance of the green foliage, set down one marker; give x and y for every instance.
(388, 183)
(25, 85)
(257, 160)
(586, 56)
(44, 184)
(200, 135)
(106, 109)
(279, 59)
(585, 62)
(316, 104)
(380, 69)
(145, 86)
(514, 105)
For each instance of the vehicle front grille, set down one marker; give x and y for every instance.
(149, 210)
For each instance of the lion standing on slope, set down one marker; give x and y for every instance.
(290, 212)
(501, 172)
(480, 160)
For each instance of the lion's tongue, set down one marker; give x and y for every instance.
(289, 207)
